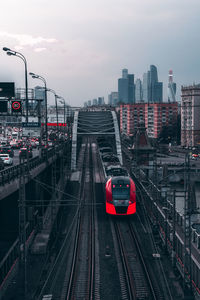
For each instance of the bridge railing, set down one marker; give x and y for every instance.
(10, 262)
(11, 173)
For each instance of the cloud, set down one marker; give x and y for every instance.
(40, 49)
(25, 40)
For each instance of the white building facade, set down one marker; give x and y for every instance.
(190, 116)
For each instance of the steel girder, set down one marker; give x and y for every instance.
(95, 123)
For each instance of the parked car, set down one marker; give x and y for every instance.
(50, 143)
(37, 143)
(7, 160)
(194, 156)
(4, 143)
(14, 144)
(7, 150)
(25, 152)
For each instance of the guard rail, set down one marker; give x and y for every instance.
(11, 173)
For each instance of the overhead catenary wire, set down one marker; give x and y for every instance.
(56, 189)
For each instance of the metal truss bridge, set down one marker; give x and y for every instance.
(95, 123)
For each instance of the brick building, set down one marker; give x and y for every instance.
(155, 116)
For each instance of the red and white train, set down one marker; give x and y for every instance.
(120, 191)
(120, 196)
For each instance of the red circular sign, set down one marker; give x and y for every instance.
(16, 105)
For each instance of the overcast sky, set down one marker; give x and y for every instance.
(81, 46)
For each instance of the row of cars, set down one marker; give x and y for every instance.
(7, 160)
(7, 151)
(24, 145)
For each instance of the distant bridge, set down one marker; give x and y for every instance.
(95, 123)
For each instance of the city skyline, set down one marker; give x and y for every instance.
(81, 48)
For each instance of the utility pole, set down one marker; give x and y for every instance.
(39, 121)
(187, 225)
(22, 226)
(155, 170)
(54, 191)
(174, 229)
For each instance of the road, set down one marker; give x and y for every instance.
(177, 159)
(16, 156)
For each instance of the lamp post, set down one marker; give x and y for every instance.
(65, 105)
(62, 101)
(166, 210)
(45, 95)
(56, 103)
(20, 55)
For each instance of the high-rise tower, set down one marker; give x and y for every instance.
(156, 88)
(125, 73)
(138, 91)
(146, 87)
(126, 87)
(171, 88)
(131, 88)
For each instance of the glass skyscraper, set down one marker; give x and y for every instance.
(138, 91)
(131, 88)
(123, 90)
(126, 87)
(156, 88)
(171, 88)
(152, 89)
(146, 87)
(125, 73)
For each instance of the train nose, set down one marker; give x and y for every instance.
(121, 202)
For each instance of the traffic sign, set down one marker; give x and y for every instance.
(16, 106)
(31, 129)
(31, 124)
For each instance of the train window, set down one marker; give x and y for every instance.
(121, 193)
(120, 181)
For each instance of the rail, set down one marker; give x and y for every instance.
(128, 288)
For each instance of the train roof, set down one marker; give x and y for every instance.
(121, 180)
(115, 170)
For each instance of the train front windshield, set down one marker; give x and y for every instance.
(120, 193)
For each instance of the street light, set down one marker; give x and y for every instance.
(45, 95)
(65, 105)
(22, 208)
(62, 101)
(20, 55)
(56, 103)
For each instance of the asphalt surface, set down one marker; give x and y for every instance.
(16, 156)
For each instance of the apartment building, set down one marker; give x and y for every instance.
(190, 115)
(155, 116)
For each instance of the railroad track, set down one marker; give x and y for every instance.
(85, 279)
(134, 278)
(75, 273)
(82, 279)
(156, 269)
(154, 293)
